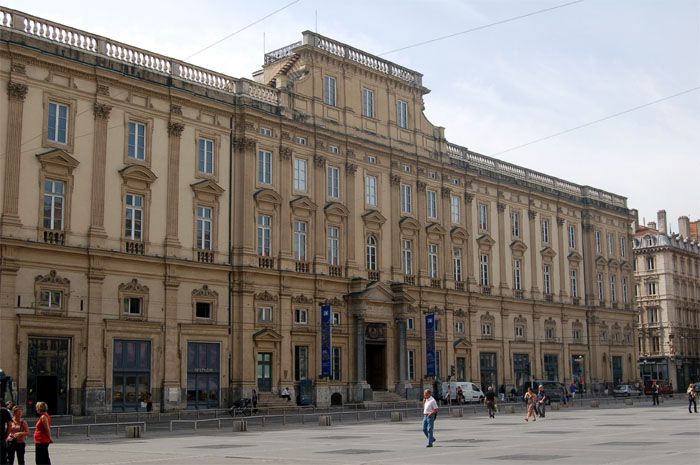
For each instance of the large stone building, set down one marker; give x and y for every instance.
(170, 229)
(667, 290)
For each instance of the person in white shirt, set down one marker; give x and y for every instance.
(430, 409)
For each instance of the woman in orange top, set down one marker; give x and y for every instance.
(42, 434)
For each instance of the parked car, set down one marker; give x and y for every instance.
(553, 389)
(626, 390)
(471, 391)
(696, 387)
(664, 385)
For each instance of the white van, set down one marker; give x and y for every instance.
(472, 392)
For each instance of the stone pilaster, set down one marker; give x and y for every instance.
(561, 253)
(173, 203)
(361, 388)
(534, 273)
(502, 233)
(469, 264)
(95, 393)
(395, 216)
(96, 233)
(10, 221)
(350, 170)
(173, 393)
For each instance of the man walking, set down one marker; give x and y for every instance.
(654, 394)
(541, 399)
(490, 401)
(572, 389)
(430, 409)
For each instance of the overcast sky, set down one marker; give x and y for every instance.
(492, 89)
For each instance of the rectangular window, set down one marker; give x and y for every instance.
(517, 269)
(432, 204)
(50, 299)
(519, 332)
(411, 365)
(574, 284)
(301, 316)
(300, 175)
(406, 198)
(265, 167)
(371, 159)
(371, 191)
(336, 319)
(134, 217)
(598, 245)
(461, 369)
(456, 210)
(484, 269)
(486, 329)
(577, 335)
(203, 310)
(551, 367)
(137, 140)
(264, 235)
(433, 260)
(402, 114)
(53, 204)
(650, 263)
(410, 323)
(266, 132)
(300, 241)
(333, 182)
(133, 305)
(301, 363)
(653, 315)
(406, 168)
(438, 360)
(600, 286)
(613, 293)
(300, 140)
(368, 103)
(459, 327)
(204, 228)
(206, 156)
(265, 314)
(623, 248)
(438, 325)
(547, 275)
(515, 223)
(572, 237)
(57, 128)
(611, 245)
(549, 333)
(407, 256)
(651, 288)
(457, 263)
(545, 231)
(333, 149)
(332, 245)
(625, 297)
(337, 364)
(329, 93)
(483, 218)
(603, 336)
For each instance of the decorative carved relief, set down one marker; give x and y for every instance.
(501, 207)
(133, 286)
(265, 296)
(420, 185)
(334, 302)
(16, 91)
(18, 68)
(101, 110)
(395, 179)
(560, 221)
(52, 278)
(176, 109)
(175, 129)
(468, 197)
(204, 292)
(244, 143)
(350, 169)
(319, 161)
(102, 90)
(302, 299)
(446, 192)
(532, 214)
(286, 152)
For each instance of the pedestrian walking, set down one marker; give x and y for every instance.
(254, 399)
(19, 430)
(460, 395)
(692, 398)
(490, 401)
(5, 423)
(654, 394)
(42, 434)
(149, 402)
(531, 400)
(430, 410)
(502, 392)
(447, 400)
(572, 389)
(541, 400)
(563, 401)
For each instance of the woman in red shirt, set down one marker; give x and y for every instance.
(42, 434)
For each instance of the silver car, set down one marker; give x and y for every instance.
(626, 390)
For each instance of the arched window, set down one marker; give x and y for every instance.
(371, 253)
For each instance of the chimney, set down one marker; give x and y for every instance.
(651, 225)
(661, 219)
(635, 215)
(684, 227)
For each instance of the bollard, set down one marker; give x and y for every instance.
(629, 401)
(554, 407)
(240, 426)
(132, 431)
(324, 420)
(396, 416)
(457, 412)
(595, 404)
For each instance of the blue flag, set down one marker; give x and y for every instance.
(430, 345)
(326, 341)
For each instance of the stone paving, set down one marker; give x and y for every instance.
(615, 434)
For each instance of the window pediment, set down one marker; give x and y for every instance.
(304, 204)
(204, 293)
(336, 210)
(574, 257)
(267, 197)
(52, 279)
(613, 262)
(409, 223)
(373, 219)
(133, 287)
(334, 302)
(600, 261)
(548, 252)
(267, 334)
(302, 299)
(265, 296)
(625, 266)
(207, 188)
(485, 242)
(518, 247)
(138, 176)
(459, 234)
(488, 318)
(462, 343)
(57, 161)
(434, 229)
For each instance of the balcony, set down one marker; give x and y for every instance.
(54, 236)
(134, 247)
(302, 267)
(335, 271)
(373, 275)
(205, 256)
(266, 262)
(435, 283)
(459, 285)
(549, 297)
(486, 290)
(409, 279)
(576, 300)
(519, 294)
(614, 305)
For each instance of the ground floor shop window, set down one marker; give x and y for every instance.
(47, 373)
(551, 367)
(617, 369)
(461, 369)
(521, 369)
(203, 366)
(489, 370)
(131, 380)
(578, 370)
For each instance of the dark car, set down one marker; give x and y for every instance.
(553, 389)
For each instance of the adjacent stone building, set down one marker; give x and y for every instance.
(169, 229)
(667, 290)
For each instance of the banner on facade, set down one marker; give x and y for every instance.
(326, 341)
(430, 345)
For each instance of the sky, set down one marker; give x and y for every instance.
(494, 89)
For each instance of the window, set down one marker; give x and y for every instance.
(652, 315)
(265, 167)
(577, 335)
(204, 228)
(203, 310)
(438, 360)
(300, 140)
(651, 288)
(636, 290)
(406, 195)
(600, 286)
(134, 217)
(336, 371)
(368, 103)
(432, 175)
(545, 231)
(336, 319)
(57, 128)
(333, 182)
(329, 91)
(547, 275)
(457, 263)
(133, 305)
(611, 245)
(407, 256)
(300, 174)
(410, 323)
(486, 329)
(519, 332)
(402, 114)
(515, 224)
(438, 325)
(137, 141)
(625, 297)
(651, 263)
(301, 363)
(572, 237)
(517, 284)
(300, 241)
(456, 210)
(655, 344)
(205, 162)
(406, 168)
(264, 235)
(333, 149)
(432, 204)
(623, 248)
(455, 182)
(332, 245)
(433, 260)
(459, 327)
(613, 291)
(411, 365)
(266, 132)
(371, 253)
(574, 283)
(598, 245)
(483, 218)
(301, 316)
(50, 299)
(371, 159)
(603, 336)
(265, 314)
(53, 204)
(549, 333)
(484, 269)
(371, 191)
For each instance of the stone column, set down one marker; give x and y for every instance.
(561, 253)
(447, 272)
(361, 386)
(534, 273)
(350, 170)
(394, 217)
(171, 215)
(96, 233)
(95, 395)
(421, 264)
(10, 220)
(285, 251)
(244, 232)
(319, 249)
(502, 233)
(173, 398)
(536, 321)
(469, 263)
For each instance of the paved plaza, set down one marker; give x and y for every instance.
(617, 433)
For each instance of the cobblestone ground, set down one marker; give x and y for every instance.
(613, 434)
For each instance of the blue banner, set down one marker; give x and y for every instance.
(326, 341)
(430, 345)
